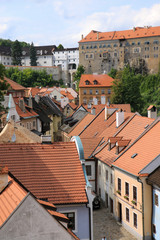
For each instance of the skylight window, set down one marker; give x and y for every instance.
(134, 155)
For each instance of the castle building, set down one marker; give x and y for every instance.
(101, 51)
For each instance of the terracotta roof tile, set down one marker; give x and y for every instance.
(67, 94)
(33, 91)
(89, 145)
(26, 114)
(141, 152)
(58, 216)
(14, 85)
(137, 32)
(79, 127)
(50, 171)
(10, 198)
(103, 80)
(131, 130)
(72, 105)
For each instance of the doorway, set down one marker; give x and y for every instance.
(111, 205)
(106, 200)
(119, 212)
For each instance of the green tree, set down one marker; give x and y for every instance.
(126, 89)
(113, 73)
(60, 47)
(33, 58)
(77, 75)
(3, 87)
(16, 53)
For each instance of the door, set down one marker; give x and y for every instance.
(120, 212)
(111, 205)
(106, 200)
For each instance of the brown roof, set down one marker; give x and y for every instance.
(28, 113)
(142, 151)
(130, 130)
(103, 80)
(33, 91)
(14, 85)
(72, 105)
(51, 171)
(137, 32)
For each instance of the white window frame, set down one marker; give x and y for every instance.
(76, 219)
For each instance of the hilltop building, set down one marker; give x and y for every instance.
(101, 51)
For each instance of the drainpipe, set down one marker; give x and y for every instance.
(139, 180)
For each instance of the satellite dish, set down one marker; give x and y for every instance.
(13, 138)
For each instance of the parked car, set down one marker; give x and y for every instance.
(96, 202)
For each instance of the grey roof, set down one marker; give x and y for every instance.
(151, 166)
(66, 49)
(71, 121)
(4, 50)
(43, 50)
(51, 107)
(154, 178)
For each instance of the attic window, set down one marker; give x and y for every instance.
(87, 82)
(95, 82)
(134, 155)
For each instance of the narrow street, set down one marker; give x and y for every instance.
(105, 225)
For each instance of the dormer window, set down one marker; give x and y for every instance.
(87, 82)
(95, 82)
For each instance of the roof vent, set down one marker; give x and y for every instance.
(146, 126)
(134, 155)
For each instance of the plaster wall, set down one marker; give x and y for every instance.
(81, 219)
(31, 221)
(156, 213)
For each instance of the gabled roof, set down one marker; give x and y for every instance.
(103, 80)
(136, 32)
(48, 171)
(33, 91)
(89, 145)
(15, 86)
(10, 198)
(72, 105)
(143, 150)
(127, 133)
(22, 134)
(52, 108)
(29, 113)
(67, 94)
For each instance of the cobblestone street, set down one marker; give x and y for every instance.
(105, 225)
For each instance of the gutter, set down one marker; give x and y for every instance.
(139, 180)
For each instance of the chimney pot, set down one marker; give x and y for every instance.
(119, 118)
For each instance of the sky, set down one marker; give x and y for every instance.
(54, 22)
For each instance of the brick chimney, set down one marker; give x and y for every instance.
(152, 112)
(93, 111)
(3, 177)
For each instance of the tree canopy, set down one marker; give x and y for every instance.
(77, 75)
(16, 53)
(33, 58)
(60, 47)
(3, 87)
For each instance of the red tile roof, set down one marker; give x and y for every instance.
(141, 152)
(10, 198)
(27, 113)
(79, 127)
(14, 85)
(103, 80)
(67, 94)
(72, 105)
(138, 32)
(34, 91)
(89, 145)
(50, 171)
(130, 130)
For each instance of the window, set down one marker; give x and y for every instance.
(146, 48)
(119, 185)
(71, 217)
(146, 56)
(27, 125)
(99, 170)
(102, 91)
(104, 54)
(13, 117)
(156, 199)
(87, 82)
(133, 43)
(104, 46)
(111, 178)
(154, 228)
(126, 189)
(127, 214)
(155, 42)
(84, 92)
(115, 45)
(88, 170)
(115, 54)
(97, 92)
(90, 91)
(147, 42)
(34, 123)
(86, 56)
(95, 82)
(84, 100)
(109, 91)
(106, 175)
(138, 43)
(134, 193)
(136, 50)
(155, 48)
(135, 220)
(155, 55)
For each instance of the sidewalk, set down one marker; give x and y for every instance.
(104, 224)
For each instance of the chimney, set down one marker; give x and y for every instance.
(3, 178)
(21, 104)
(46, 139)
(37, 98)
(106, 113)
(30, 102)
(93, 111)
(82, 36)
(119, 118)
(89, 106)
(103, 99)
(95, 102)
(152, 112)
(97, 35)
